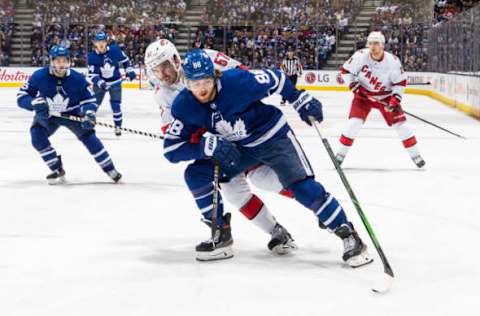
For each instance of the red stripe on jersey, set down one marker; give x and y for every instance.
(409, 142)
(344, 71)
(165, 128)
(286, 193)
(252, 207)
(401, 83)
(346, 141)
(243, 67)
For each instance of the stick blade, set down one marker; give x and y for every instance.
(384, 286)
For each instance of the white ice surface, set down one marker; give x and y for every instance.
(95, 248)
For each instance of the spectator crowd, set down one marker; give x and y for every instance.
(258, 33)
(7, 12)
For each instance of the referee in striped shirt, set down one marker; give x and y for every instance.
(292, 67)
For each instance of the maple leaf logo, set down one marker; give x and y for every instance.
(58, 103)
(107, 70)
(232, 133)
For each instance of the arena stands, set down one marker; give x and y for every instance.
(7, 12)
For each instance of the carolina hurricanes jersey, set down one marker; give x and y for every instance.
(382, 78)
(164, 95)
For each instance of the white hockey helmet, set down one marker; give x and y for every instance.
(376, 37)
(160, 51)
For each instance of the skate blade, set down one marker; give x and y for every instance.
(360, 260)
(58, 181)
(216, 254)
(285, 249)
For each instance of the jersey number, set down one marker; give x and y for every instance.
(262, 78)
(221, 59)
(175, 128)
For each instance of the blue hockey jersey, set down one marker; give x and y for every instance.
(107, 66)
(69, 94)
(236, 114)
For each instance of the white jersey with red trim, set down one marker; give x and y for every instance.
(164, 95)
(381, 78)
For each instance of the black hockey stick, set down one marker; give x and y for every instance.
(129, 130)
(386, 265)
(415, 116)
(216, 176)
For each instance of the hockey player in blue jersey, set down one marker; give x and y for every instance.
(243, 131)
(104, 71)
(57, 89)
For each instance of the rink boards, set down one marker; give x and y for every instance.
(459, 91)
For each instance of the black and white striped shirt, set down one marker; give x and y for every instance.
(291, 66)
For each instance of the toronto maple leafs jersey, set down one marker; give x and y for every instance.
(69, 94)
(164, 95)
(236, 114)
(107, 66)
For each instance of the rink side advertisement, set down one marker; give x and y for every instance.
(459, 91)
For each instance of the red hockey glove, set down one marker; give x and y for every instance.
(394, 104)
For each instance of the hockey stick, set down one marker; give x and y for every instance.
(129, 130)
(386, 265)
(111, 83)
(371, 99)
(216, 175)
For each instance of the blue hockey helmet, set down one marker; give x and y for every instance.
(55, 52)
(58, 51)
(197, 65)
(100, 36)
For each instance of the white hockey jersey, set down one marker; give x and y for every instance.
(381, 78)
(165, 95)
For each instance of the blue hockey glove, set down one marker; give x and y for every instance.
(41, 109)
(103, 85)
(89, 120)
(307, 106)
(131, 74)
(224, 151)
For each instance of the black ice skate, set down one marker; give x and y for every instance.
(114, 175)
(57, 176)
(418, 160)
(118, 132)
(355, 251)
(282, 242)
(221, 247)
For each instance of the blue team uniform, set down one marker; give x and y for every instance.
(69, 95)
(104, 69)
(259, 131)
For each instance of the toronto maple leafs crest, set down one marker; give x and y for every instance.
(107, 70)
(58, 103)
(232, 132)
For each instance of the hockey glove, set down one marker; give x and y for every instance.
(394, 104)
(307, 106)
(89, 120)
(131, 74)
(224, 151)
(358, 90)
(41, 109)
(103, 85)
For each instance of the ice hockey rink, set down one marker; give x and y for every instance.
(91, 247)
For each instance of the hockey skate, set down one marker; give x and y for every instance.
(118, 131)
(282, 242)
(57, 176)
(355, 252)
(221, 246)
(114, 175)
(418, 160)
